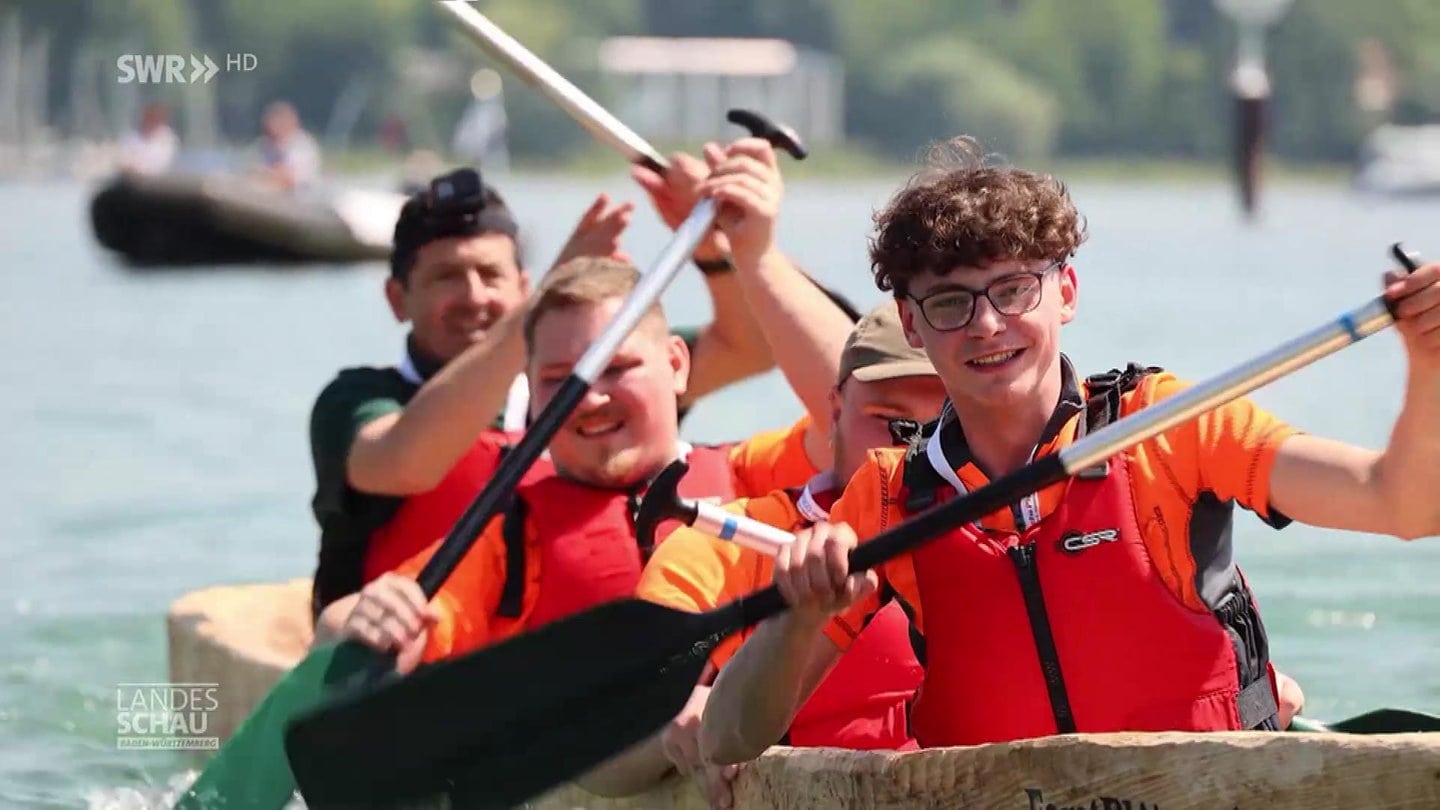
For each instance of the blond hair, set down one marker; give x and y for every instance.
(586, 281)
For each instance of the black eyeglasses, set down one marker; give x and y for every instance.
(952, 306)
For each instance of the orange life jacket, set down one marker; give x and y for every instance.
(1066, 626)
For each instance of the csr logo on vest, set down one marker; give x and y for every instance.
(1075, 542)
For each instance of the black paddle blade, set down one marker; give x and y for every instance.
(610, 675)
(569, 741)
(1387, 721)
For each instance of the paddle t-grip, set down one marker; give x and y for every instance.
(662, 502)
(778, 135)
(1408, 259)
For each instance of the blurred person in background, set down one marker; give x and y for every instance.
(151, 148)
(290, 156)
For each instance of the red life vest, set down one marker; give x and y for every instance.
(864, 702)
(428, 516)
(585, 539)
(1068, 627)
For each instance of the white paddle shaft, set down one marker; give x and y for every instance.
(605, 127)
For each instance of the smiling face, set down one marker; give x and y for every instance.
(625, 429)
(966, 221)
(456, 290)
(995, 361)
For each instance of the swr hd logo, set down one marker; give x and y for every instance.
(170, 68)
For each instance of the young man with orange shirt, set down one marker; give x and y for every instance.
(1111, 601)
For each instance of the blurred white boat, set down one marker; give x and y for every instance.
(1400, 160)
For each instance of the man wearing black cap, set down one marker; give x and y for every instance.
(380, 435)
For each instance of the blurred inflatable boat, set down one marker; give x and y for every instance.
(192, 219)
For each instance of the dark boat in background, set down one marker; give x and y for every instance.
(197, 219)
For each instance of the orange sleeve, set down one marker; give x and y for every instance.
(464, 602)
(772, 460)
(862, 507)
(691, 570)
(1234, 448)
(695, 572)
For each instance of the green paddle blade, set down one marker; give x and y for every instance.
(250, 770)
(1308, 725)
(1378, 721)
(503, 724)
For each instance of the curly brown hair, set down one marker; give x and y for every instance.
(960, 210)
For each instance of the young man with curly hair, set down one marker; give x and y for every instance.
(1108, 602)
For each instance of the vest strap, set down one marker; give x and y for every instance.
(1105, 390)
(1103, 407)
(922, 483)
(512, 594)
(1256, 704)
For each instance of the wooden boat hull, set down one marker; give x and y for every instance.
(245, 637)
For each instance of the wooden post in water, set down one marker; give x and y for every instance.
(1250, 87)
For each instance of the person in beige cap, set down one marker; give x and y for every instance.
(884, 389)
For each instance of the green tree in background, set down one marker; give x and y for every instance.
(566, 35)
(1032, 77)
(989, 99)
(804, 22)
(308, 52)
(1313, 69)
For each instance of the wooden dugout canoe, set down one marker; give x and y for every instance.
(245, 637)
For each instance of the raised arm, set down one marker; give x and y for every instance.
(1328, 483)
(411, 451)
(731, 347)
(805, 328)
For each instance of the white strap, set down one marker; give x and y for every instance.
(935, 453)
(517, 405)
(517, 401)
(809, 508)
(407, 370)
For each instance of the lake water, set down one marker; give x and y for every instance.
(155, 429)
